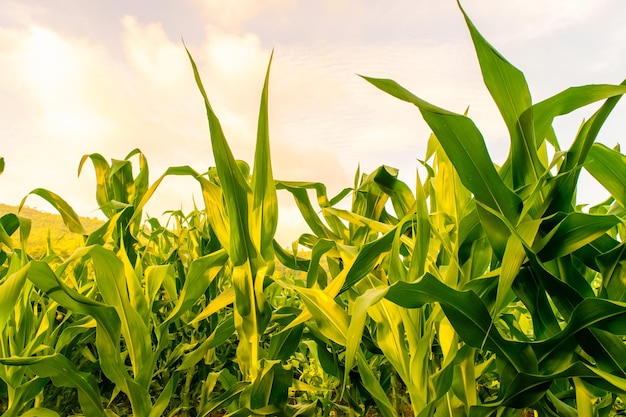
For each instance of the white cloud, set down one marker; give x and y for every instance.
(523, 20)
(232, 14)
(151, 54)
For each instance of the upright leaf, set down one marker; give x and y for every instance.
(264, 202)
(509, 90)
(234, 185)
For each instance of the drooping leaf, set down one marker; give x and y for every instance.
(64, 374)
(609, 168)
(567, 101)
(563, 189)
(69, 216)
(331, 319)
(467, 314)
(464, 145)
(573, 232)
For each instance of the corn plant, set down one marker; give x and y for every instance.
(546, 253)
(482, 290)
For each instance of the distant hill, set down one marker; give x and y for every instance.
(63, 242)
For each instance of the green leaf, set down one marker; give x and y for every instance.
(141, 181)
(514, 256)
(234, 185)
(357, 325)
(9, 222)
(467, 314)
(613, 267)
(529, 388)
(64, 374)
(401, 196)
(201, 273)
(69, 216)
(372, 384)
(264, 202)
(10, 290)
(40, 412)
(331, 318)
(309, 214)
(222, 333)
(509, 90)
(222, 400)
(422, 241)
(464, 145)
(212, 195)
(567, 101)
(609, 168)
(366, 259)
(102, 170)
(109, 325)
(271, 388)
(284, 343)
(154, 276)
(164, 398)
(573, 232)
(563, 188)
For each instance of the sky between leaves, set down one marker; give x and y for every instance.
(79, 77)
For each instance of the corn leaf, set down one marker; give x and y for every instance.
(69, 216)
(201, 273)
(567, 101)
(331, 319)
(265, 202)
(10, 291)
(563, 189)
(374, 388)
(464, 145)
(609, 168)
(234, 185)
(102, 169)
(573, 232)
(211, 193)
(509, 90)
(108, 330)
(63, 373)
(469, 317)
(514, 256)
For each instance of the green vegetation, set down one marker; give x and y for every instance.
(48, 232)
(485, 292)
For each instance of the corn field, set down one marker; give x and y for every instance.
(480, 290)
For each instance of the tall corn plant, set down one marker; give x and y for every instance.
(546, 253)
(251, 215)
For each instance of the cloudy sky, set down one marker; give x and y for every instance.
(80, 77)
